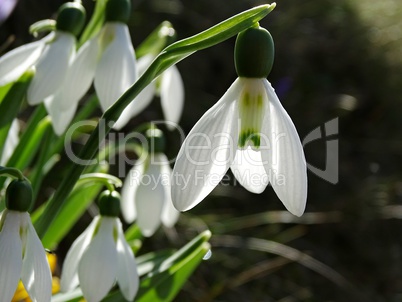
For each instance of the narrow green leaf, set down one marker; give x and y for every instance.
(3, 137)
(11, 103)
(96, 22)
(34, 128)
(148, 262)
(3, 90)
(77, 203)
(75, 207)
(156, 40)
(24, 153)
(168, 284)
(165, 280)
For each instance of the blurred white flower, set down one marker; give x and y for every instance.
(249, 131)
(169, 86)
(22, 256)
(145, 195)
(99, 257)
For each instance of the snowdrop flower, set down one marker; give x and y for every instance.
(10, 143)
(169, 86)
(247, 130)
(101, 255)
(107, 59)
(50, 56)
(146, 190)
(21, 252)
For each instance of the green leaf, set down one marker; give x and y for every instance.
(148, 262)
(3, 137)
(167, 284)
(156, 40)
(11, 103)
(77, 203)
(30, 140)
(3, 90)
(96, 22)
(165, 281)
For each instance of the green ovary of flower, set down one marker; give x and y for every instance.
(71, 18)
(251, 114)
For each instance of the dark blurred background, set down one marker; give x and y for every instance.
(335, 59)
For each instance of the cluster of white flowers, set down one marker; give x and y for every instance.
(247, 130)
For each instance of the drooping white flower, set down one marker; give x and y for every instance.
(108, 59)
(22, 256)
(146, 195)
(50, 57)
(247, 130)
(99, 257)
(169, 86)
(10, 143)
(62, 105)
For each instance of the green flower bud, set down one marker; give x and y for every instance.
(254, 53)
(109, 203)
(19, 196)
(118, 11)
(156, 140)
(71, 18)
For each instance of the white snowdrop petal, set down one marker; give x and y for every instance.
(149, 200)
(169, 213)
(249, 170)
(172, 95)
(35, 275)
(207, 152)
(10, 255)
(69, 274)
(11, 142)
(127, 275)
(51, 68)
(116, 70)
(80, 74)
(97, 269)
(61, 118)
(128, 191)
(286, 161)
(14, 63)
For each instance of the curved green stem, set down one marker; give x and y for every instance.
(109, 181)
(11, 172)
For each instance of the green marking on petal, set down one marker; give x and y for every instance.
(251, 114)
(115, 233)
(97, 227)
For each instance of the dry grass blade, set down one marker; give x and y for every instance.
(285, 251)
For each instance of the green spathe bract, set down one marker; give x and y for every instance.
(71, 18)
(19, 195)
(254, 53)
(118, 11)
(109, 203)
